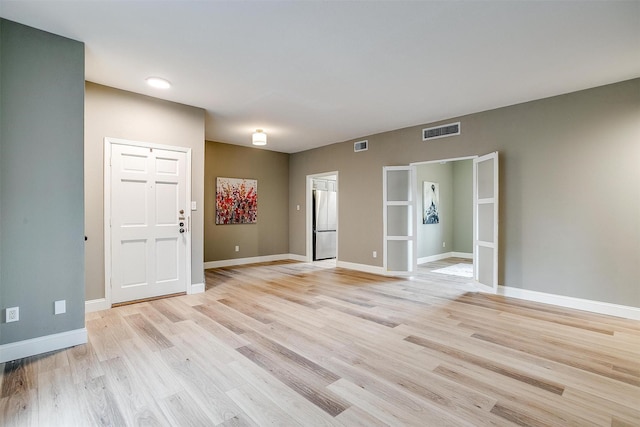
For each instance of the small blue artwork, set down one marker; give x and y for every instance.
(431, 202)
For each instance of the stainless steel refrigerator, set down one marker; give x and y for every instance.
(324, 224)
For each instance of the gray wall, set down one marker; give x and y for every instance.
(431, 236)
(462, 206)
(270, 235)
(569, 176)
(41, 181)
(119, 114)
(456, 208)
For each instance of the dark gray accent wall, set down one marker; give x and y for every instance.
(569, 198)
(41, 181)
(270, 235)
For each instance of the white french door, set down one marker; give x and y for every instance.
(399, 236)
(485, 220)
(148, 218)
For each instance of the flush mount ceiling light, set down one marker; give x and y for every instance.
(158, 83)
(259, 137)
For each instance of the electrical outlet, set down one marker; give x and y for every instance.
(13, 314)
(60, 307)
(375, 254)
(237, 248)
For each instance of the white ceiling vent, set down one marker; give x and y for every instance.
(361, 145)
(441, 131)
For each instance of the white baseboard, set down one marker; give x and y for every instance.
(462, 255)
(250, 260)
(436, 257)
(360, 267)
(572, 302)
(96, 305)
(445, 255)
(241, 261)
(296, 257)
(196, 288)
(31, 347)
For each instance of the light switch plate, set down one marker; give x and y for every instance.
(193, 205)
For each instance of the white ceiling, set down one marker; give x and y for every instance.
(312, 73)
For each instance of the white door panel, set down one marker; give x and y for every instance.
(485, 218)
(132, 271)
(167, 203)
(167, 256)
(149, 200)
(399, 240)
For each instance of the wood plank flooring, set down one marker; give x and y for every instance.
(295, 344)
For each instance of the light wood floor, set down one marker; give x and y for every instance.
(296, 344)
(425, 272)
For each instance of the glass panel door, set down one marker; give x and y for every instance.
(485, 220)
(398, 220)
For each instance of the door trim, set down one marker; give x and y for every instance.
(108, 143)
(309, 213)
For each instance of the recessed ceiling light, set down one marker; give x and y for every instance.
(158, 83)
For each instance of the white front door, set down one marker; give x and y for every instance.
(485, 217)
(149, 221)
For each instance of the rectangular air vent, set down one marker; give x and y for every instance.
(441, 131)
(361, 146)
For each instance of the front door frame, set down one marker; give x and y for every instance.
(108, 142)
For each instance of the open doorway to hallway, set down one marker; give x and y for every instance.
(322, 218)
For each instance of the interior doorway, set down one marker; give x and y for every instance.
(322, 217)
(401, 211)
(444, 220)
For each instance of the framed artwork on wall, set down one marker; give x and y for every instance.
(236, 201)
(431, 202)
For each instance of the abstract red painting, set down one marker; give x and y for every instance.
(236, 201)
